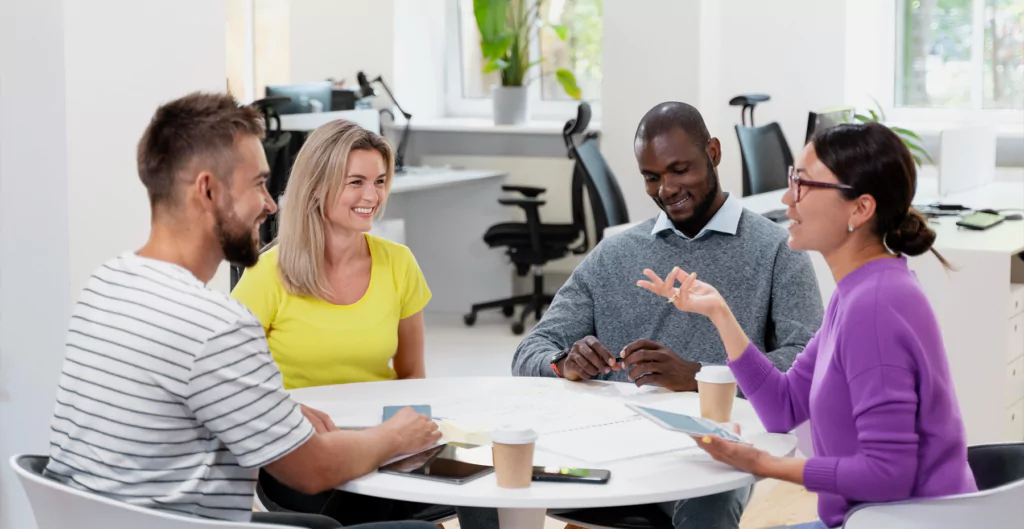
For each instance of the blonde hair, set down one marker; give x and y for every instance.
(316, 180)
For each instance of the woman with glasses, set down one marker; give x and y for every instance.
(874, 380)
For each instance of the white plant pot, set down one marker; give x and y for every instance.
(511, 106)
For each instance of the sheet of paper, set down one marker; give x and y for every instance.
(618, 442)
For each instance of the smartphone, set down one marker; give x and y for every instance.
(571, 475)
(980, 221)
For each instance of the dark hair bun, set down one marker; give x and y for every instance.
(912, 236)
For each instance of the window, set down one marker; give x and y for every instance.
(257, 46)
(469, 88)
(960, 54)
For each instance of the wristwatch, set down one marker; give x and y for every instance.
(558, 357)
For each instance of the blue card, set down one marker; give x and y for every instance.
(390, 411)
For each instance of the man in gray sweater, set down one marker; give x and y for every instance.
(600, 313)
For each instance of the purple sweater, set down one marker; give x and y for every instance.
(875, 383)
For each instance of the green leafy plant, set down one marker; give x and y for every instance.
(507, 28)
(909, 137)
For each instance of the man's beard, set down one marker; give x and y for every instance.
(704, 207)
(236, 241)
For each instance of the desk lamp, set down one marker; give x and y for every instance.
(366, 90)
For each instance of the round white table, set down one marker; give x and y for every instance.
(670, 476)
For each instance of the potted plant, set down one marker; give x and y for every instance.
(507, 31)
(909, 137)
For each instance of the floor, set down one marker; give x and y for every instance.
(454, 350)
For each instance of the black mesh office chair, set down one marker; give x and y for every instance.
(279, 149)
(532, 244)
(766, 158)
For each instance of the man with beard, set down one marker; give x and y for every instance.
(169, 397)
(600, 315)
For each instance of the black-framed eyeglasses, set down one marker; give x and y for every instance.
(799, 186)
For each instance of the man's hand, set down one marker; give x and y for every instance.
(651, 363)
(587, 359)
(411, 431)
(322, 423)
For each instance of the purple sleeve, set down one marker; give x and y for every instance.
(877, 360)
(780, 399)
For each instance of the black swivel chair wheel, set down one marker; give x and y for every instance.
(469, 319)
(518, 328)
(508, 311)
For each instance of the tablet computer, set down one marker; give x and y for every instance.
(441, 463)
(688, 424)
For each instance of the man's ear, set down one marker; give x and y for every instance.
(207, 186)
(715, 151)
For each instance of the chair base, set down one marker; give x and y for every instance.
(534, 303)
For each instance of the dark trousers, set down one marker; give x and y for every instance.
(316, 521)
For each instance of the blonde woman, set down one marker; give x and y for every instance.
(339, 305)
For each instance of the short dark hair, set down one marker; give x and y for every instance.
(195, 126)
(673, 115)
(873, 160)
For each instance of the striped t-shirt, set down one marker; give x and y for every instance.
(169, 397)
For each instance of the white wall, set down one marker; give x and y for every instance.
(173, 47)
(33, 235)
(79, 81)
(337, 38)
(651, 55)
(801, 64)
(704, 52)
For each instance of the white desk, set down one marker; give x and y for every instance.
(445, 213)
(670, 476)
(980, 306)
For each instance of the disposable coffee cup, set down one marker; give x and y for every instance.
(512, 449)
(716, 386)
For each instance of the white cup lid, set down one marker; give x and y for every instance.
(715, 375)
(510, 435)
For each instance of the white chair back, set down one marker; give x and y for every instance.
(58, 506)
(999, 503)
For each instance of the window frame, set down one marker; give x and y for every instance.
(889, 64)
(459, 106)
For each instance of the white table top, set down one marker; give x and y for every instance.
(670, 476)
(423, 178)
(1007, 237)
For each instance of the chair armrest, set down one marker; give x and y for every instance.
(525, 190)
(531, 206)
(524, 203)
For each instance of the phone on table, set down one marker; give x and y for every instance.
(571, 475)
(688, 424)
(980, 220)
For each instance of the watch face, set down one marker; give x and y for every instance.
(559, 356)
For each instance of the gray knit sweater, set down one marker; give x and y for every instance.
(770, 288)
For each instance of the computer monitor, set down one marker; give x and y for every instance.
(305, 98)
(824, 119)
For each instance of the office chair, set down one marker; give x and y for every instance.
(58, 506)
(766, 155)
(435, 514)
(279, 149)
(766, 158)
(532, 244)
(999, 472)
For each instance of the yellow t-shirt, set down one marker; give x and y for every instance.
(317, 343)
